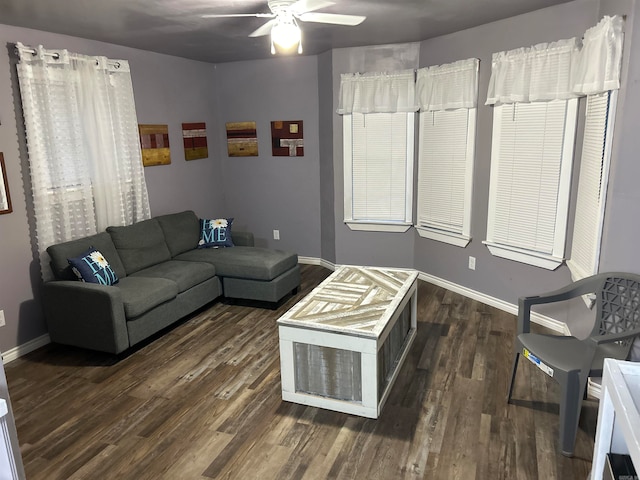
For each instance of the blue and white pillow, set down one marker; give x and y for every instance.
(92, 267)
(215, 233)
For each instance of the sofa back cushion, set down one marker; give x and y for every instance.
(181, 231)
(61, 252)
(140, 245)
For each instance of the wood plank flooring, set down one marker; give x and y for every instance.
(202, 401)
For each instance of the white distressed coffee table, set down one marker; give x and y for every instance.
(342, 346)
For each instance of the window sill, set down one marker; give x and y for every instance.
(521, 255)
(378, 227)
(451, 238)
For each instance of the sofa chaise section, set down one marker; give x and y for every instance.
(247, 272)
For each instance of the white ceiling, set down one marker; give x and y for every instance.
(176, 27)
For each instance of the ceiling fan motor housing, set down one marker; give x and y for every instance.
(278, 6)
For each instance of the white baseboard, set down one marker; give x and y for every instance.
(543, 320)
(28, 347)
(552, 324)
(317, 261)
(594, 388)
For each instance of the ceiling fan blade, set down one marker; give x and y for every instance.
(303, 6)
(264, 29)
(351, 20)
(230, 15)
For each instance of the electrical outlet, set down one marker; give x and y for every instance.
(472, 263)
(276, 234)
(2, 322)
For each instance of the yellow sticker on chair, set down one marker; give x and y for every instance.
(536, 361)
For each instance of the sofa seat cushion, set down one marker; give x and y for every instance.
(141, 294)
(184, 274)
(140, 245)
(244, 262)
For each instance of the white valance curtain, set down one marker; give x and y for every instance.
(83, 145)
(538, 73)
(450, 86)
(559, 70)
(377, 92)
(597, 68)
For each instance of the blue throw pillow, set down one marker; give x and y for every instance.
(215, 233)
(92, 267)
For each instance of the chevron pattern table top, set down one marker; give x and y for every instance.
(354, 300)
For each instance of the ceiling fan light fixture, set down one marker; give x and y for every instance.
(286, 34)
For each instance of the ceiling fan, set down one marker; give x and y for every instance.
(284, 16)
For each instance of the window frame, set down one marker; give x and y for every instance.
(524, 255)
(577, 270)
(463, 237)
(378, 225)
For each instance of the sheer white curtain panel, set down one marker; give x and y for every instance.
(377, 92)
(83, 146)
(450, 86)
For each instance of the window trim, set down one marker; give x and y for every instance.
(377, 225)
(538, 259)
(458, 239)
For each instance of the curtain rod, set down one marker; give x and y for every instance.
(33, 51)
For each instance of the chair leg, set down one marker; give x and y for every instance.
(570, 407)
(516, 357)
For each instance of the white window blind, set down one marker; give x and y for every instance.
(592, 187)
(378, 170)
(445, 175)
(530, 178)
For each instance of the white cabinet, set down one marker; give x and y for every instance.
(618, 428)
(10, 460)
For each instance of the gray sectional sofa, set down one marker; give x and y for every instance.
(163, 277)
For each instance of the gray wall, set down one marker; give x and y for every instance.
(622, 218)
(357, 247)
(505, 279)
(264, 193)
(494, 276)
(303, 197)
(168, 90)
(327, 202)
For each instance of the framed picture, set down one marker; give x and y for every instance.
(154, 140)
(287, 138)
(194, 138)
(5, 199)
(242, 139)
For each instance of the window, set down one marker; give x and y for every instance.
(83, 142)
(531, 160)
(592, 189)
(445, 175)
(448, 96)
(378, 122)
(378, 170)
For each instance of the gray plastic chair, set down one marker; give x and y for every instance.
(571, 361)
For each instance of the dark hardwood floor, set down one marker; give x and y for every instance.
(202, 400)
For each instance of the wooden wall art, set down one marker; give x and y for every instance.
(287, 138)
(154, 140)
(194, 138)
(5, 199)
(242, 139)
